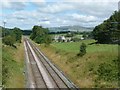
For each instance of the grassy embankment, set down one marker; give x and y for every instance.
(98, 68)
(0, 61)
(13, 66)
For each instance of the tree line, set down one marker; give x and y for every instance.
(11, 36)
(109, 30)
(40, 35)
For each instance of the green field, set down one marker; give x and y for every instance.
(74, 47)
(97, 68)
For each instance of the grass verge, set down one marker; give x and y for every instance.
(13, 66)
(0, 61)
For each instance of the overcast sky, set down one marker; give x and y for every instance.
(51, 13)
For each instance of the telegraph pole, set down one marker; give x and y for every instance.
(4, 22)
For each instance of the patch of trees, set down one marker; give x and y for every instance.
(11, 36)
(26, 32)
(86, 34)
(40, 35)
(109, 30)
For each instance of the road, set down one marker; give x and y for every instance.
(40, 72)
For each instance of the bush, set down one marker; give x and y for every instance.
(108, 72)
(82, 50)
(4, 72)
(9, 40)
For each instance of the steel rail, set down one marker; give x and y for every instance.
(48, 69)
(68, 83)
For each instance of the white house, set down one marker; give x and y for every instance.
(58, 38)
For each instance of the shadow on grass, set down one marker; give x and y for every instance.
(115, 42)
(14, 46)
(93, 43)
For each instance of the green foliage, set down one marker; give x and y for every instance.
(40, 35)
(109, 30)
(9, 40)
(4, 72)
(65, 54)
(84, 36)
(11, 36)
(17, 33)
(82, 50)
(12, 66)
(108, 72)
(5, 32)
(0, 31)
(47, 39)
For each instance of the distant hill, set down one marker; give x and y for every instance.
(62, 29)
(70, 28)
(27, 32)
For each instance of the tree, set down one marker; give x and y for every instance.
(5, 31)
(108, 31)
(82, 50)
(11, 36)
(40, 35)
(17, 33)
(48, 39)
(84, 36)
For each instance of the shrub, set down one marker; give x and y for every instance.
(9, 40)
(108, 72)
(82, 50)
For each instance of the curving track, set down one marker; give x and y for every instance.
(40, 72)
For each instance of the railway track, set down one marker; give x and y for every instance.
(41, 73)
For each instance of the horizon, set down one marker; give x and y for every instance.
(49, 27)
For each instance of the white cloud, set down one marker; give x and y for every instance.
(14, 5)
(89, 1)
(84, 18)
(56, 7)
(23, 1)
(58, 14)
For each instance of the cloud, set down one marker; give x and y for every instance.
(55, 7)
(84, 18)
(86, 1)
(50, 14)
(13, 5)
(96, 8)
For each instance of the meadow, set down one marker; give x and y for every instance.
(74, 46)
(97, 68)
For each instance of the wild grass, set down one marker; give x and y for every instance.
(83, 71)
(0, 61)
(13, 60)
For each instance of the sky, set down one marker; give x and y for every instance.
(25, 14)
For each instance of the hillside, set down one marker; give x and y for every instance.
(97, 69)
(70, 28)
